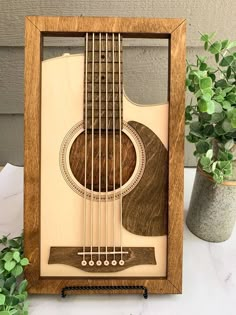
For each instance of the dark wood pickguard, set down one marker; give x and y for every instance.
(136, 256)
(145, 208)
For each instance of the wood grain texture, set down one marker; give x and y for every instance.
(170, 284)
(32, 121)
(103, 88)
(136, 256)
(77, 160)
(12, 15)
(128, 26)
(148, 201)
(176, 155)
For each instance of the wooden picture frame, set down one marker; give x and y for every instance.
(37, 27)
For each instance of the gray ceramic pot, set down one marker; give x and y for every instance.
(212, 210)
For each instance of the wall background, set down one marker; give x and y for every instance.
(144, 82)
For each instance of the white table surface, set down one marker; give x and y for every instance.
(209, 270)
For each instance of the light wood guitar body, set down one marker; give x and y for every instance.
(144, 214)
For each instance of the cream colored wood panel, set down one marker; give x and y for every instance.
(145, 74)
(61, 207)
(144, 81)
(201, 15)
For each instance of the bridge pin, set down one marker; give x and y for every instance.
(121, 262)
(83, 262)
(91, 263)
(114, 262)
(106, 263)
(98, 263)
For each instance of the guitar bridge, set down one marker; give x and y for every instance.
(102, 259)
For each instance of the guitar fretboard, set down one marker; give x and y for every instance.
(103, 88)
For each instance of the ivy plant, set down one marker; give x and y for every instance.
(211, 114)
(13, 292)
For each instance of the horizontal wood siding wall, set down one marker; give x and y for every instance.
(145, 65)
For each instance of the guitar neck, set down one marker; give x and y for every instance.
(103, 82)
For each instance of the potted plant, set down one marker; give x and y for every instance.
(13, 286)
(211, 117)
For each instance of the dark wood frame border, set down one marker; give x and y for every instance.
(174, 30)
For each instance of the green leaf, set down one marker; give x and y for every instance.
(205, 83)
(210, 107)
(225, 165)
(12, 300)
(22, 286)
(195, 126)
(206, 45)
(224, 43)
(2, 281)
(5, 313)
(24, 262)
(219, 98)
(21, 297)
(208, 130)
(217, 57)
(202, 105)
(9, 282)
(188, 117)
(218, 107)
(202, 147)
(229, 144)
(188, 82)
(221, 83)
(232, 44)
(226, 61)
(215, 48)
(208, 91)
(204, 38)
(228, 72)
(17, 270)
(13, 243)
(217, 117)
(219, 130)
(205, 161)
(231, 97)
(16, 256)
(192, 139)
(224, 156)
(9, 265)
(188, 109)
(2, 299)
(226, 125)
(203, 66)
(233, 122)
(209, 154)
(8, 256)
(212, 76)
(206, 97)
(214, 166)
(226, 105)
(218, 176)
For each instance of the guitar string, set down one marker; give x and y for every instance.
(120, 144)
(114, 143)
(99, 184)
(85, 148)
(106, 205)
(92, 170)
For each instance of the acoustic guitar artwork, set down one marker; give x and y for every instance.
(104, 202)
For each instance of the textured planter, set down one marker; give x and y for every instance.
(212, 210)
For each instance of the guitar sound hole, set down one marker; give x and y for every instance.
(77, 160)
